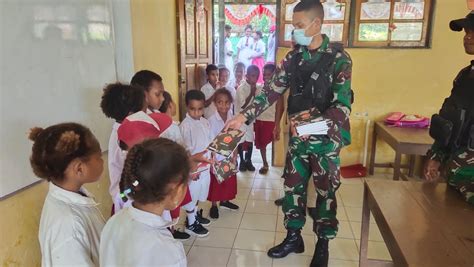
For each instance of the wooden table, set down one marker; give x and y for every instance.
(410, 141)
(422, 224)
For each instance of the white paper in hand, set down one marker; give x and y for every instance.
(314, 128)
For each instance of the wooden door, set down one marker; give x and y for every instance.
(195, 45)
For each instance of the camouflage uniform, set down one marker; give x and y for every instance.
(458, 164)
(318, 155)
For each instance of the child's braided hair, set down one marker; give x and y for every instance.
(149, 169)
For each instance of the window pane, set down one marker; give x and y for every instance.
(334, 10)
(407, 31)
(373, 32)
(288, 29)
(333, 31)
(375, 9)
(99, 31)
(409, 9)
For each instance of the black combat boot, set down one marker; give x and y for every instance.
(321, 253)
(292, 243)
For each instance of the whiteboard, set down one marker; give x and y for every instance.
(55, 56)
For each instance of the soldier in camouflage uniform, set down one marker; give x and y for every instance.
(454, 150)
(316, 156)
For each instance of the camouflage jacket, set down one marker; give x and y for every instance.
(337, 114)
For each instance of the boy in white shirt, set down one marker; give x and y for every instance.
(196, 134)
(209, 88)
(267, 124)
(244, 47)
(119, 101)
(244, 97)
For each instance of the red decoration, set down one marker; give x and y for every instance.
(260, 10)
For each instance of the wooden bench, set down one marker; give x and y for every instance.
(422, 224)
(410, 141)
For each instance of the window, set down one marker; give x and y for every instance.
(368, 23)
(391, 23)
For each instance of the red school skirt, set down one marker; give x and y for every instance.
(225, 191)
(187, 198)
(263, 133)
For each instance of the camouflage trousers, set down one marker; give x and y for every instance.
(460, 173)
(317, 157)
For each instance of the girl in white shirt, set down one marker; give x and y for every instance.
(119, 101)
(155, 176)
(68, 156)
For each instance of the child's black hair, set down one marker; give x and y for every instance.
(259, 33)
(211, 67)
(166, 102)
(227, 27)
(120, 100)
(222, 69)
(55, 147)
(223, 91)
(239, 65)
(248, 27)
(144, 78)
(150, 167)
(253, 68)
(269, 66)
(194, 95)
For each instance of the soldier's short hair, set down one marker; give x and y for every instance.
(313, 7)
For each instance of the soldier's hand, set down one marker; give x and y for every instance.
(235, 123)
(431, 170)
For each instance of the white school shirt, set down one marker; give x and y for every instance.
(259, 47)
(229, 60)
(245, 50)
(69, 230)
(217, 124)
(242, 93)
(196, 134)
(208, 92)
(134, 237)
(116, 159)
(269, 114)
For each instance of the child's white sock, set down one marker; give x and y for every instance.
(191, 216)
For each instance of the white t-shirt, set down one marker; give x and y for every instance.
(229, 60)
(269, 114)
(196, 134)
(69, 230)
(173, 133)
(242, 93)
(134, 237)
(245, 50)
(208, 91)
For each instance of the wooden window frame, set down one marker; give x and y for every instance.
(352, 24)
(424, 42)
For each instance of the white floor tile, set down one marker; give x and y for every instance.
(264, 222)
(264, 194)
(262, 183)
(293, 260)
(246, 258)
(343, 249)
(228, 219)
(204, 257)
(262, 207)
(254, 240)
(217, 238)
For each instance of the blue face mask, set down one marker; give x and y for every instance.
(301, 38)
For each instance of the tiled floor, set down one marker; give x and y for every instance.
(242, 238)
